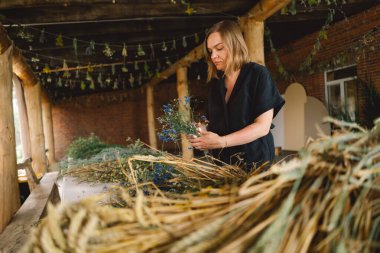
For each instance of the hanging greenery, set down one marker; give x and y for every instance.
(59, 41)
(75, 46)
(66, 74)
(140, 50)
(42, 38)
(91, 48)
(108, 51)
(124, 52)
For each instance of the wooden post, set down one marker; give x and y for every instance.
(9, 191)
(33, 105)
(254, 38)
(183, 91)
(24, 125)
(150, 114)
(47, 120)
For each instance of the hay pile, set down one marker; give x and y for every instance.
(324, 201)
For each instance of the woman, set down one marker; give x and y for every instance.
(242, 101)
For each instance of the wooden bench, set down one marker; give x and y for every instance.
(33, 209)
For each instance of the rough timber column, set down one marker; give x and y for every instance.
(47, 120)
(24, 125)
(34, 108)
(183, 90)
(9, 191)
(254, 38)
(150, 115)
(252, 24)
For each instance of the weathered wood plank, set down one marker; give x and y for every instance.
(16, 233)
(31, 176)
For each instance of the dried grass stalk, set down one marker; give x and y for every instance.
(327, 200)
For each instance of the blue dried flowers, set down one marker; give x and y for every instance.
(175, 121)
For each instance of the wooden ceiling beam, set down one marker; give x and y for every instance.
(100, 11)
(265, 8)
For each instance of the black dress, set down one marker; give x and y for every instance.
(253, 94)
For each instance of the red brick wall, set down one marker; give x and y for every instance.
(113, 116)
(340, 37)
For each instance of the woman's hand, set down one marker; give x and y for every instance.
(206, 140)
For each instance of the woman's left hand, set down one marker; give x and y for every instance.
(207, 140)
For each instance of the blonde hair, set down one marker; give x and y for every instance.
(237, 51)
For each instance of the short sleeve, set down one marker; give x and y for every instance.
(267, 94)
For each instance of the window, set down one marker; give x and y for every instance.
(341, 93)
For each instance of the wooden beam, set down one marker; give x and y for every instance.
(31, 176)
(9, 191)
(266, 8)
(254, 38)
(47, 120)
(42, 11)
(150, 115)
(26, 218)
(37, 138)
(183, 91)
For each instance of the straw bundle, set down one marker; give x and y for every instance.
(165, 170)
(325, 201)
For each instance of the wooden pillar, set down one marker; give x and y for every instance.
(9, 191)
(33, 105)
(183, 90)
(23, 116)
(254, 38)
(47, 120)
(150, 114)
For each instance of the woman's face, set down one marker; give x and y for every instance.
(217, 51)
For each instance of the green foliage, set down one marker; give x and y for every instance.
(372, 102)
(109, 153)
(84, 148)
(342, 114)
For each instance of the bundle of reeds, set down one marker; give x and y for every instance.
(324, 201)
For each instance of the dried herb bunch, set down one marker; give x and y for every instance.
(178, 118)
